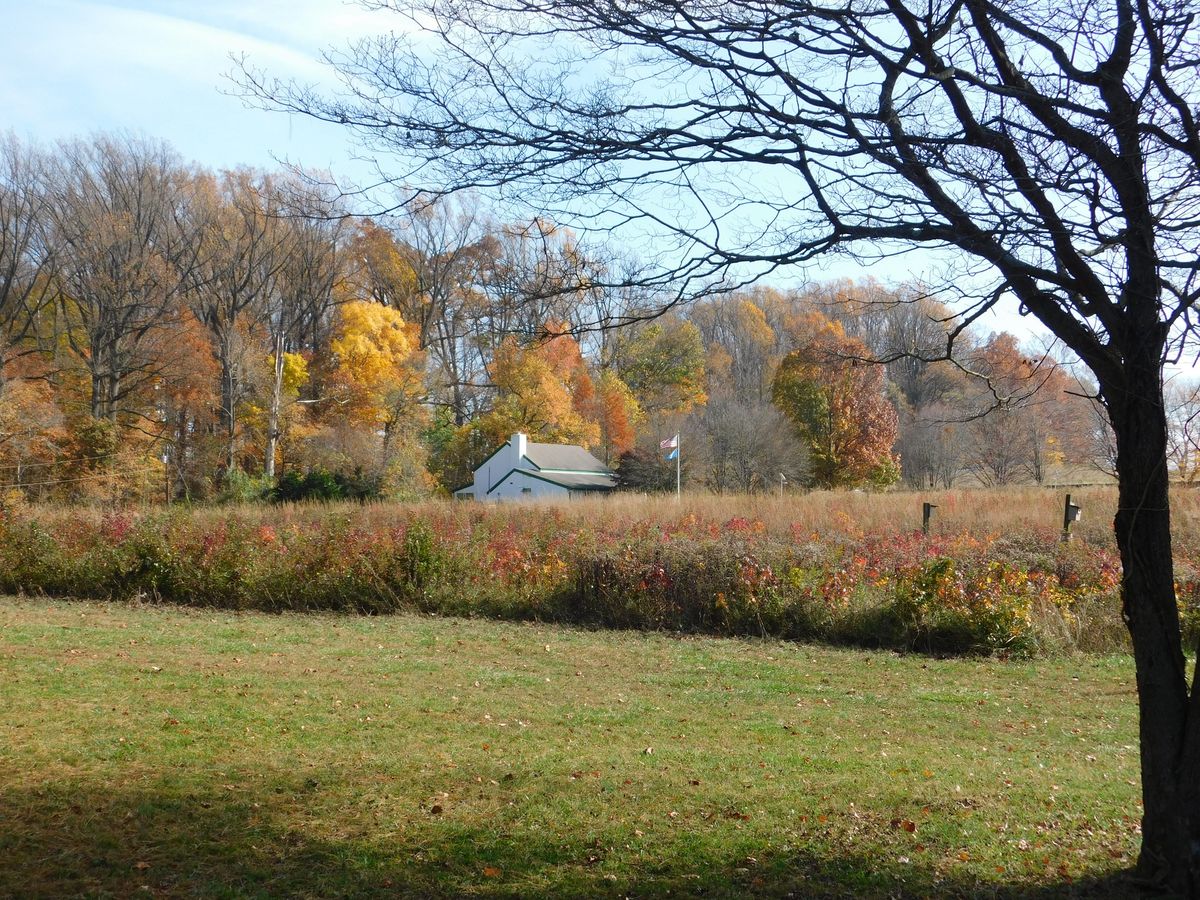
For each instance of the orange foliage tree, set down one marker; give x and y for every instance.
(618, 415)
(544, 390)
(836, 401)
(31, 431)
(1036, 416)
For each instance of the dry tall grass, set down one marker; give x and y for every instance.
(978, 511)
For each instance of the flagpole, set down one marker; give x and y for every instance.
(674, 445)
(678, 455)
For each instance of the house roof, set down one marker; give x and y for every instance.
(572, 481)
(580, 482)
(564, 457)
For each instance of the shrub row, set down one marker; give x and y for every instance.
(945, 594)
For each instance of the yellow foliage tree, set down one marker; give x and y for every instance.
(374, 349)
(292, 423)
(377, 385)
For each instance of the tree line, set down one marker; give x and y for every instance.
(170, 331)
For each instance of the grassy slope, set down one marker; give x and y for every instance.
(225, 755)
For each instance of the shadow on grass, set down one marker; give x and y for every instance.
(83, 840)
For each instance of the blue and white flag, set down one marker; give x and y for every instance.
(673, 454)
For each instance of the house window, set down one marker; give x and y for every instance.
(526, 490)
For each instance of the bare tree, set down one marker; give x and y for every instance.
(25, 254)
(1054, 143)
(932, 445)
(119, 213)
(996, 447)
(1101, 449)
(745, 446)
(444, 241)
(1183, 429)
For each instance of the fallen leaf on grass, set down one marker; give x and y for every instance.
(491, 872)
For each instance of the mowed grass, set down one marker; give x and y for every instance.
(165, 752)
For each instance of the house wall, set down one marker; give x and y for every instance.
(519, 486)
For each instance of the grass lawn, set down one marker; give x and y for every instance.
(153, 751)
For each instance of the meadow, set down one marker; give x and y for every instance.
(171, 752)
(992, 577)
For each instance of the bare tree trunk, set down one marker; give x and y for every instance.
(114, 393)
(273, 412)
(99, 376)
(1169, 720)
(99, 388)
(228, 402)
(388, 428)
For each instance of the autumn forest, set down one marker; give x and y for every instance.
(170, 332)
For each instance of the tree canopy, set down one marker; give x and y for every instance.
(836, 401)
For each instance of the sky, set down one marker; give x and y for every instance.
(70, 68)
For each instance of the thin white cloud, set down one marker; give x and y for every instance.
(123, 36)
(309, 25)
(70, 67)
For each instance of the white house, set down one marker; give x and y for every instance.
(521, 469)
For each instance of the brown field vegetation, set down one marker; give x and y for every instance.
(992, 576)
